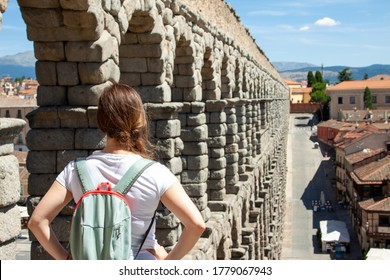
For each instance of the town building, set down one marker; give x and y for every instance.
(362, 164)
(349, 95)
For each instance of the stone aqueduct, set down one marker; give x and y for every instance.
(218, 109)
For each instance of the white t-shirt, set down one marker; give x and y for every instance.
(143, 196)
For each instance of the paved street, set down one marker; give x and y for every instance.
(309, 173)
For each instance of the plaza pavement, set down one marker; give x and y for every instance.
(310, 171)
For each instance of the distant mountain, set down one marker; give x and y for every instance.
(18, 65)
(286, 65)
(331, 72)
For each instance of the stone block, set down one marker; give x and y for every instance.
(163, 111)
(179, 146)
(67, 74)
(42, 18)
(200, 202)
(151, 79)
(8, 249)
(196, 119)
(197, 162)
(39, 184)
(51, 96)
(46, 73)
(166, 221)
(138, 65)
(217, 152)
(191, 134)
(93, 51)
(10, 223)
(216, 142)
(44, 4)
(131, 79)
(155, 65)
(42, 162)
(155, 94)
(192, 94)
(167, 237)
(137, 51)
(195, 190)
(195, 148)
(217, 174)
(72, 117)
(86, 95)
(89, 139)
(80, 5)
(168, 128)
(63, 33)
(83, 19)
(10, 182)
(54, 139)
(49, 51)
(44, 117)
(165, 148)
(175, 165)
(217, 117)
(217, 163)
(98, 73)
(92, 116)
(217, 129)
(191, 176)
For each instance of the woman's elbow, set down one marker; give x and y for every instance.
(198, 228)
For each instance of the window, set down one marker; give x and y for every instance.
(387, 99)
(19, 114)
(7, 114)
(352, 100)
(384, 221)
(339, 100)
(374, 99)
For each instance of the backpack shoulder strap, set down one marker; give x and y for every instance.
(131, 175)
(82, 171)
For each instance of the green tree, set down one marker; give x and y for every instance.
(318, 95)
(318, 76)
(365, 76)
(345, 75)
(367, 98)
(311, 80)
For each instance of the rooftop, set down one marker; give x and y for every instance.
(361, 85)
(373, 173)
(362, 155)
(376, 204)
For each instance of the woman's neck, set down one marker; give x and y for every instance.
(114, 147)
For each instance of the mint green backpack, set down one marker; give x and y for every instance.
(101, 222)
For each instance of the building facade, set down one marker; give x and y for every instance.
(349, 95)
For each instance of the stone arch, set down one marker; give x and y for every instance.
(199, 86)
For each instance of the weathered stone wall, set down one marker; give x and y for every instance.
(218, 109)
(9, 188)
(3, 7)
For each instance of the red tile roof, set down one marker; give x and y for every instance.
(362, 155)
(361, 85)
(373, 173)
(375, 204)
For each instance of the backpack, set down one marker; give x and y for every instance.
(101, 222)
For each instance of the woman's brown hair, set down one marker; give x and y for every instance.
(121, 116)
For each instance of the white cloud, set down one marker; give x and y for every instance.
(304, 28)
(326, 21)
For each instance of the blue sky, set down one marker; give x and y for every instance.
(329, 32)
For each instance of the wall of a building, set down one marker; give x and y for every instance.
(219, 110)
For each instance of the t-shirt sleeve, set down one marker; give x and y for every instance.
(64, 178)
(163, 176)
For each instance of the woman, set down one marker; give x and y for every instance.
(122, 117)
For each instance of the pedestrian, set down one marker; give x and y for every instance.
(121, 116)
